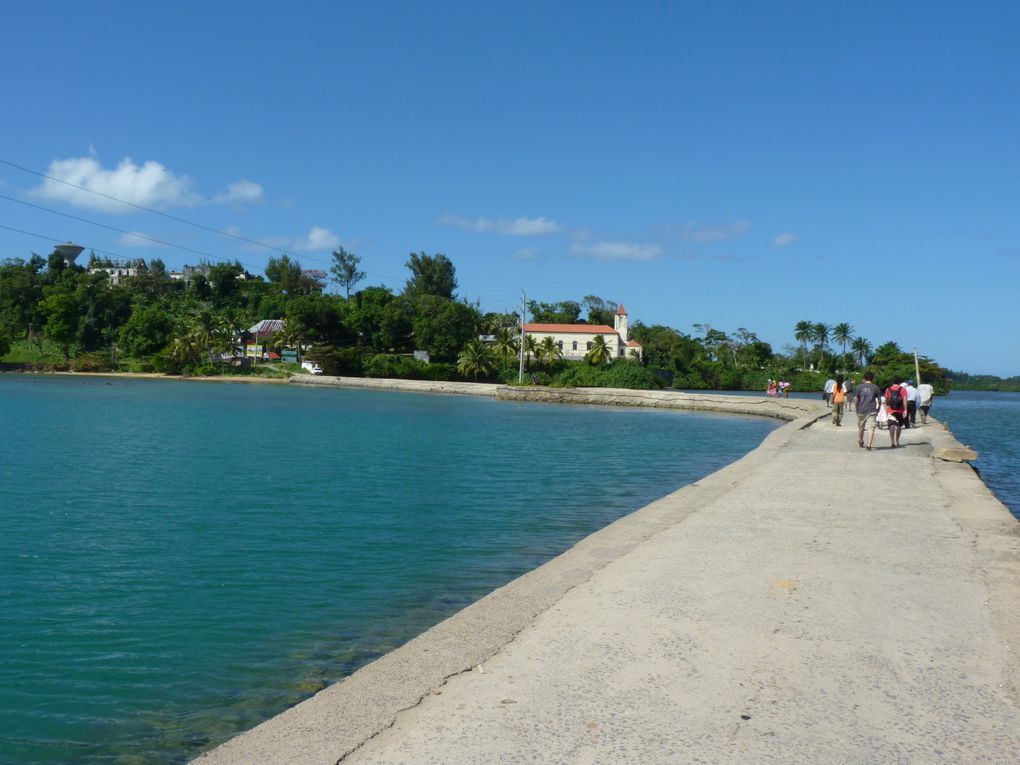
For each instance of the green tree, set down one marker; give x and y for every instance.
(285, 273)
(862, 348)
(564, 312)
(430, 275)
(441, 326)
(549, 351)
(345, 270)
(803, 333)
(599, 311)
(843, 334)
(60, 310)
(147, 331)
(820, 335)
(599, 354)
(530, 349)
(475, 359)
(505, 344)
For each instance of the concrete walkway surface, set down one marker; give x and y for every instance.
(812, 603)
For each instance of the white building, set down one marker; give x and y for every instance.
(576, 339)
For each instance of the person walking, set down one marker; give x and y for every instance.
(867, 396)
(838, 396)
(896, 403)
(924, 396)
(827, 392)
(911, 404)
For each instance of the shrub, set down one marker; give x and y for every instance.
(92, 362)
(392, 365)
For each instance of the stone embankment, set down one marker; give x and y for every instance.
(813, 602)
(784, 409)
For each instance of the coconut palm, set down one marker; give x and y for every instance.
(802, 333)
(530, 348)
(475, 359)
(599, 354)
(505, 344)
(842, 333)
(820, 335)
(862, 348)
(549, 350)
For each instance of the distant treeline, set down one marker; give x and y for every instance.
(58, 315)
(964, 381)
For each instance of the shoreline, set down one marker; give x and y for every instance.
(371, 704)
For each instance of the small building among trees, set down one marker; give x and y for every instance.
(575, 340)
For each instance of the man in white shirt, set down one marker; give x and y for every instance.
(924, 395)
(911, 419)
(830, 385)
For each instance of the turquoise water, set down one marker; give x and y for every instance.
(180, 561)
(988, 421)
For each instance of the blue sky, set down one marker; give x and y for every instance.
(732, 164)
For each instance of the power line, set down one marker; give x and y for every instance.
(162, 214)
(221, 232)
(111, 228)
(168, 216)
(55, 239)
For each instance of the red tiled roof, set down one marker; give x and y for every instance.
(621, 311)
(587, 329)
(634, 344)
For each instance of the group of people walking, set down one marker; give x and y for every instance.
(894, 408)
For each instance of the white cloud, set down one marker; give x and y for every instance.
(697, 232)
(526, 253)
(503, 226)
(608, 251)
(317, 238)
(149, 185)
(784, 240)
(135, 239)
(240, 191)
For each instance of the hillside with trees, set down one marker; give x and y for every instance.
(58, 316)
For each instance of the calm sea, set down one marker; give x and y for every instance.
(989, 422)
(180, 561)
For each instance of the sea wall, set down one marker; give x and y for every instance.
(779, 408)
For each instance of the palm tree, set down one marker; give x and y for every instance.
(599, 354)
(294, 334)
(505, 344)
(530, 348)
(802, 333)
(820, 334)
(549, 350)
(475, 359)
(842, 333)
(862, 348)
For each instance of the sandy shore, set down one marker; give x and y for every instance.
(813, 602)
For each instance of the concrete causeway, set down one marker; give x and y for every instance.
(811, 603)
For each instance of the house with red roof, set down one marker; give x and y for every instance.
(576, 339)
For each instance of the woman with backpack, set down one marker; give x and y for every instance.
(896, 403)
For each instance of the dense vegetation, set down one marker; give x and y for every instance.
(59, 316)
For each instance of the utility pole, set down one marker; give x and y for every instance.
(524, 318)
(917, 367)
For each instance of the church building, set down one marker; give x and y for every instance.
(575, 339)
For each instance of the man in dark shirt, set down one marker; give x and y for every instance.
(866, 396)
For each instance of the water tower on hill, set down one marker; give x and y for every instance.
(69, 251)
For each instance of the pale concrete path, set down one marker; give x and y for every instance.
(833, 606)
